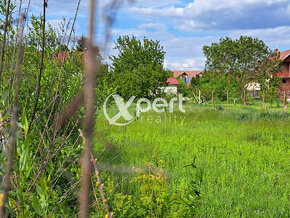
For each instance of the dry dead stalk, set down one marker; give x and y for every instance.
(152, 197)
(38, 85)
(95, 195)
(75, 18)
(99, 184)
(92, 66)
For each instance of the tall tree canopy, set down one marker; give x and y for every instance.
(138, 68)
(241, 61)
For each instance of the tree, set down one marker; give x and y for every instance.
(138, 68)
(266, 72)
(195, 82)
(217, 82)
(182, 88)
(241, 61)
(103, 85)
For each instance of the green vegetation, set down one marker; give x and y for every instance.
(138, 68)
(231, 162)
(183, 88)
(231, 64)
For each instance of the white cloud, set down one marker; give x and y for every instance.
(156, 26)
(198, 7)
(185, 64)
(134, 31)
(155, 3)
(159, 31)
(221, 14)
(288, 9)
(273, 37)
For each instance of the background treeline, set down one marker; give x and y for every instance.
(234, 64)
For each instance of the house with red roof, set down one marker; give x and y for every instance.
(186, 76)
(285, 71)
(172, 85)
(284, 74)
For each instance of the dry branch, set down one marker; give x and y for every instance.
(75, 17)
(89, 85)
(38, 85)
(100, 185)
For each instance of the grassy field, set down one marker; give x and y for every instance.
(230, 161)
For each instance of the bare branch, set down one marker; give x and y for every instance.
(38, 85)
(89, 85)
(99, 184)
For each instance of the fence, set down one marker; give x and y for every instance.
(246, 98)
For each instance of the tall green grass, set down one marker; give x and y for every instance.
(240, 159)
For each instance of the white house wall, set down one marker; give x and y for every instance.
(171, 89)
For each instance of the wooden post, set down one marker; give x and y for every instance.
(244, 98)
(284, 102)
(263, 105)
(199, 93)
(227, 97)
(212, 97)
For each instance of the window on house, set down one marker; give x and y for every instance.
(288, 67)
(284, 80)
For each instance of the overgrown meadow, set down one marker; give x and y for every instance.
(230, 162)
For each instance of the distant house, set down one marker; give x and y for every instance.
(171, 87)
(285, 71)
(254, 88)
(186, 76)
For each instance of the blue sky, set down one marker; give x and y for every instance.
(183, 27)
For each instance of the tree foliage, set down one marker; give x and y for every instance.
(238, 62)
(138, 68)
(182, 88)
